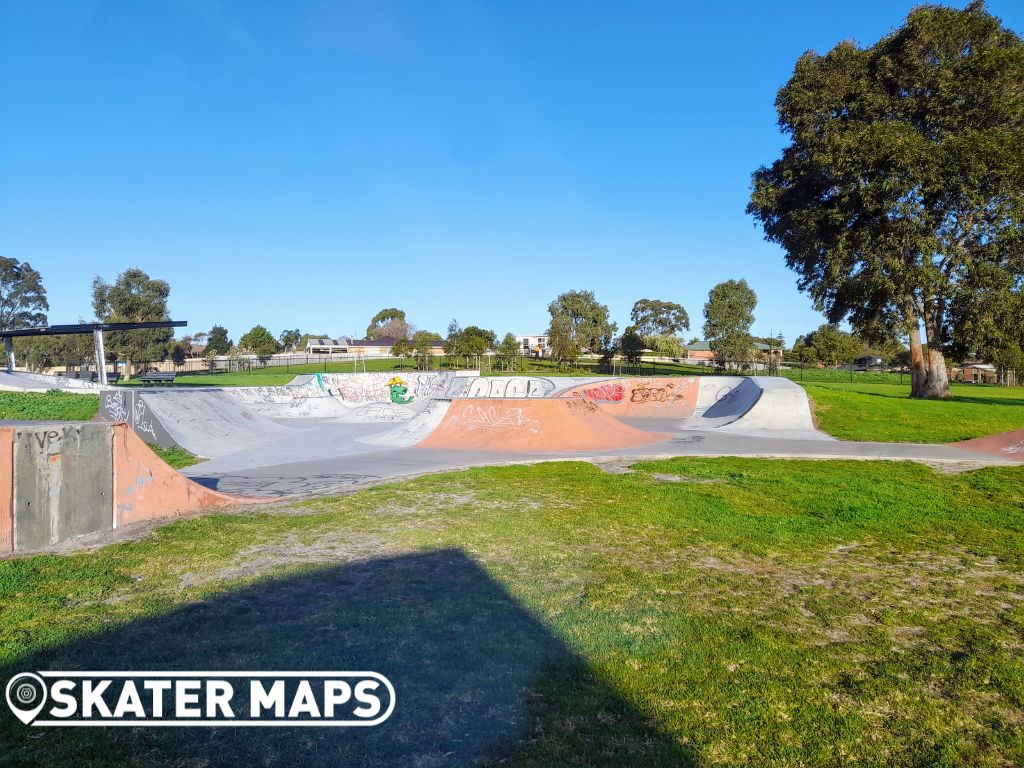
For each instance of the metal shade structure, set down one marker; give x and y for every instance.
(96, 329)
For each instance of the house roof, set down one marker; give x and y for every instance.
(383, 341)
(705, 346)
(325, 342)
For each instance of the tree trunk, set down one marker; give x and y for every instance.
(938, 377)
(918, 372)
(929, 378)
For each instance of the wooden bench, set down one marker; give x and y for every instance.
(157, 377)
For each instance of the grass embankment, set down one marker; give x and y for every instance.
(769, 613)
(176, 457)
(885, 412)
(48, 406)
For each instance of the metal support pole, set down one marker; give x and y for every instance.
(9, 348)
(101, 357)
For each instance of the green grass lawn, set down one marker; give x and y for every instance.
(885, 412)
(46, 406)
(831, 375)
(768, 613)
(176, 457)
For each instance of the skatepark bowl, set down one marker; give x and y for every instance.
(325, 433)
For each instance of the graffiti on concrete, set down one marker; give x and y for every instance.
(377, 412)
(493, 418)
(606, 393)
(655, 393)
(515, 386)
(399, 391)
(117, 408)
(578, 404)
(140, 422)
(377, 387)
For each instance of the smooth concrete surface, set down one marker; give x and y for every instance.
(20, 381)
(145, 488)
(327, 432)
(62, 483)
(6, 489)
(532, 424)
(650, 397)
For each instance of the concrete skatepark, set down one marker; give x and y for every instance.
(324, 433)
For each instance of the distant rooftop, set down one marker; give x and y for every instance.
(705, 346)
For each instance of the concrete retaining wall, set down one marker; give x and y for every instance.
(58, 481)
(6, 489)
(63, 477)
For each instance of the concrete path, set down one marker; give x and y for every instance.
(356, 466)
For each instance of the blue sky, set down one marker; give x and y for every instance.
(304, 164)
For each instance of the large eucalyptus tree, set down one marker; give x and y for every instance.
(900, 198)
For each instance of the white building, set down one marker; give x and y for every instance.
(327, 346)
(535, 346)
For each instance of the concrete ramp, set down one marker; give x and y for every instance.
(209, 422)
(653, 397)
(761, 406)
(20, 381)
(533, 424)
(146, 488)
(1006, 445)
(413, 431)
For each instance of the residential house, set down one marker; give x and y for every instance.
(533, 346)
(979, 373)
(327, 346)
(701, 352)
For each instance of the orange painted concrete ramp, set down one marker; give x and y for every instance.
(146, 488)
(653, 397)
(533, 424)
(1007, 445)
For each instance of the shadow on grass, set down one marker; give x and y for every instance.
(477, 677)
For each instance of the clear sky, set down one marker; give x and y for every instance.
(304, 164)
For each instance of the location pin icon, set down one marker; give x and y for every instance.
(26, 696)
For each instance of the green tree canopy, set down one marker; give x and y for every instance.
(631, 345)
(900, 198)
(22, 296)
(134, 297)
(453, 342)
(217, 341)
(832, 346)
(423, 345)
(508, 350)
(578, 322)
(652, 317)
(728, 315)
(289, 339)
(388, 322)
(259, 341)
